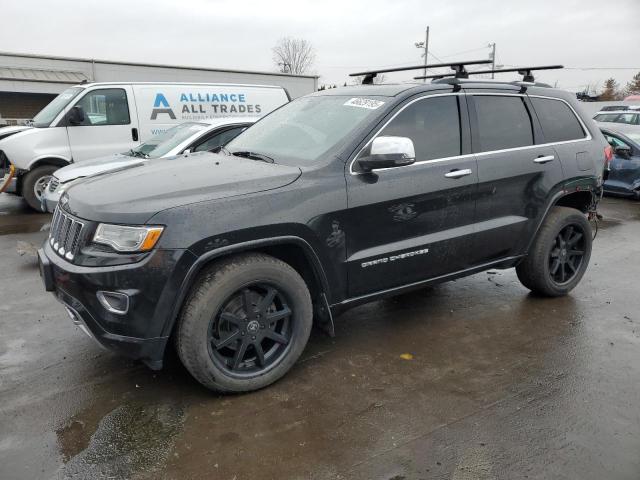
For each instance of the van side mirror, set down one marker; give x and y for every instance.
(388, 152)
(623, 151)
(76, 115)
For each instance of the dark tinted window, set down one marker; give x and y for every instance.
(433, 124)
(219, 139)
(503, 122)
(559, 123)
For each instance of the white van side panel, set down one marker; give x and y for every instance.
(24, 149)
(162, 106)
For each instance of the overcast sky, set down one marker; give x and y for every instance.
(348, 35)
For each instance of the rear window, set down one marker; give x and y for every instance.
(558, 121)
(503, 122)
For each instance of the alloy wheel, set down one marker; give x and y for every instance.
(40, 186)
(252, 331)
(567, 254)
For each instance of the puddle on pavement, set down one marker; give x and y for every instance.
(130, 440)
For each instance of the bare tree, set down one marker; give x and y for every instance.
(377, 80)
(293, 55)
(611, 91)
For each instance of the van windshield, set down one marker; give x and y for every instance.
(44, 118)
(305, 129)
(166, 141)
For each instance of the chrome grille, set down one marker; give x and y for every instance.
(53, 184)
(65, 233)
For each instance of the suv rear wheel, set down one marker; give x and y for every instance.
(245, 323)
(559, 255)
(35, 183)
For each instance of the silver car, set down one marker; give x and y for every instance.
(184, 138)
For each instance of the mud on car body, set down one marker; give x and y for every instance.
(335, 199)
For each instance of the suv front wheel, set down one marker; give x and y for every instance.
(559, 255)
(245, 323)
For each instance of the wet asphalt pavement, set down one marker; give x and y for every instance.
(498, 384)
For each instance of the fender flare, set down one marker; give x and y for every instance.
(562, 192)
(235, 248)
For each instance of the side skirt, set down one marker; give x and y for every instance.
(503, 263)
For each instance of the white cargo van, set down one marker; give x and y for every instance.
(97, 119)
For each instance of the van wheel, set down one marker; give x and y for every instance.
(35, 183)
(244, 324)
(559, 255)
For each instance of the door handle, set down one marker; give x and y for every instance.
(458, 173)
(134, 134)
(544, 159)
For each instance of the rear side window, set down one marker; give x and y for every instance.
(433, 124)
(558, 121)
(503, 122)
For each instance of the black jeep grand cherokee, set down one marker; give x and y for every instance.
(335, 199)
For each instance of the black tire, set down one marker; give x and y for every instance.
(551, 267)
(239, 281)
(33, 181)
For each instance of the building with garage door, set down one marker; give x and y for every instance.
(29, 82)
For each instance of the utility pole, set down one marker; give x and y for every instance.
(424, 45)
(493, 58)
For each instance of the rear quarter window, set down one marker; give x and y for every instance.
(559, 123)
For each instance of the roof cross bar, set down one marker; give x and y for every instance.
(526, 72)
(459, 68)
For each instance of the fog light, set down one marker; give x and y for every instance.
(114, 302)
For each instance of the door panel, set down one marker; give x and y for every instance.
(411, 223)
(515, 177)
(110, 124)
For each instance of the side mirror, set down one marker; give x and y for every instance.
(188, 150)
(388, 152)
(76, 115)
(623, 151)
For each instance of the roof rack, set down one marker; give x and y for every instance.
(527, 76)
(458, 67)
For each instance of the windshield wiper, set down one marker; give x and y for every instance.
(253, 156)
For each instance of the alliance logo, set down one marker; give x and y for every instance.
(158, 105)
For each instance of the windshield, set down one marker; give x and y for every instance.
(44, 118)
(166, 141)
(305, 129)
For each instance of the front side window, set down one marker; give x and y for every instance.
(629, 118)
(433, 124)
(559, 123)
(503, 122)
(219, 139)
(44, 118)
(107, 106)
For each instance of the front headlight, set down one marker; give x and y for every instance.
(127, 239)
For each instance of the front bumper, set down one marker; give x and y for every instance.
(151, 284)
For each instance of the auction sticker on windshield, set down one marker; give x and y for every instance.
(364, 103)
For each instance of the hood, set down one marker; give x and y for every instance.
(7, 131)
(134, 195)
(96, 166)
